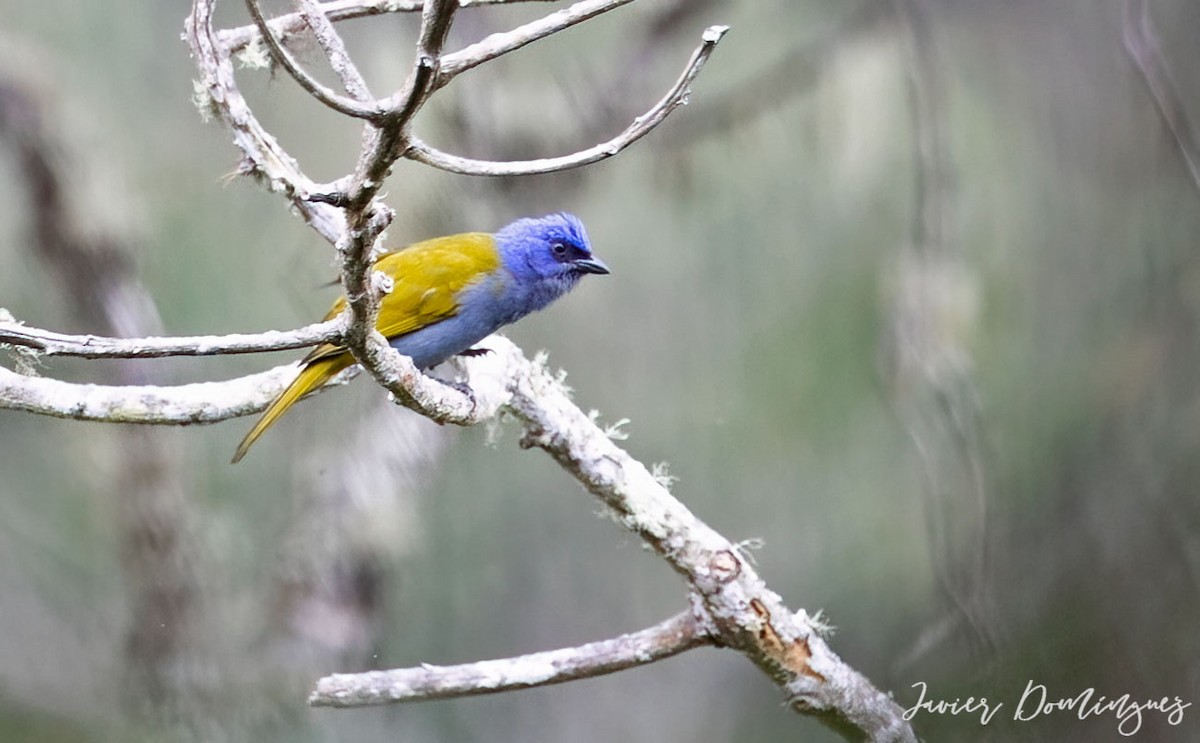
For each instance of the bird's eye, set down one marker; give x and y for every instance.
(559, 249)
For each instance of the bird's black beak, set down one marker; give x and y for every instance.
(591, 265)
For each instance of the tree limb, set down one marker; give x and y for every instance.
(204, 402)
(671, 637)
(743, 613)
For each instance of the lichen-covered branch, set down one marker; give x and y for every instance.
(671, 637)
(203, 402)
(735, 603)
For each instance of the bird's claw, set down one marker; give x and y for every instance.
(475, 352)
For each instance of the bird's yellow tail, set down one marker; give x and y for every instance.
(311, 377)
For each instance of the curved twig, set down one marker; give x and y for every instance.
(51, 343)
(641, 126)
(671, 637)
(339, 103)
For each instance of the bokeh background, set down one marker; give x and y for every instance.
(909, 292)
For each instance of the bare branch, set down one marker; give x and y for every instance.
(746, 615)
(98, 347)
(502, 43)
(671, 637)
(339, 103)
(641, 126)
(1142, 44)
(284, 26)
(205, 402)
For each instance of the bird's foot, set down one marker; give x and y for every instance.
(475, 352)
(466, 390)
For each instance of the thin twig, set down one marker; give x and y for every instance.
(1144, 48)
(502, 43)
(671, 637)
(284, 26)
(339, 59)
(316, 89)
(641, 126)
(51, 343)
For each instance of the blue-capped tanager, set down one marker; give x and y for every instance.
(449, 293)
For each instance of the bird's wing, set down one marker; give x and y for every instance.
(427, 278)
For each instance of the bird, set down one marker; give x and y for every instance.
(449, 293)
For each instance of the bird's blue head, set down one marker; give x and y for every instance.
(547, 255)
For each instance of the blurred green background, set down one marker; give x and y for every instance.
(909, 291)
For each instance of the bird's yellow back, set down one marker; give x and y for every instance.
(426, 279)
